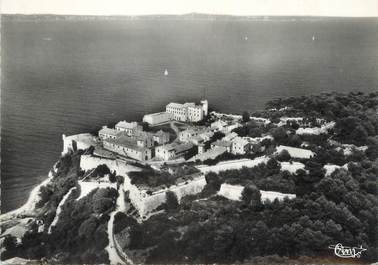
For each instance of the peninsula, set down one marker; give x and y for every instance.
(192, 185)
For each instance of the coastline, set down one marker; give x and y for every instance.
(28, 209)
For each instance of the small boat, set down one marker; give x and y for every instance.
(246, 38)
(166, 72)
(313, 37)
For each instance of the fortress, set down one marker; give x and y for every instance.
(142, 199)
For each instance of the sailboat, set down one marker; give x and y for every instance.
(166, 72)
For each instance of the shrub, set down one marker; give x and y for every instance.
(251, 195)
(171, 200)
(112, 178)
(283, 156)
(121, 221)
(88, 227)
(246, 116)
(102, 170)
(45, 194)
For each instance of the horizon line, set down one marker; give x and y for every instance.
(184, 14)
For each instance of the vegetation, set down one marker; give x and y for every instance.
(355, 113)
(334, 209)
(167, 177)
(151, 178)
(328, 209)
(64, 179)
(80, 235)
(246, 116)
(340, 207)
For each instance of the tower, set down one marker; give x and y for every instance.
(205, 107)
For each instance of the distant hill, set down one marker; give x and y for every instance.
(190, 16)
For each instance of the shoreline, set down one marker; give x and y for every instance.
(28, 208)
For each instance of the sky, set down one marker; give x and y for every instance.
(344, 8)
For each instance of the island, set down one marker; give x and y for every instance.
(193, 185)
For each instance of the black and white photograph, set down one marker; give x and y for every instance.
(189, 132)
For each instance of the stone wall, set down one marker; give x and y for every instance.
(82, 141)
(146, 203)
(234, 192)
(143, 202)
(231, 192)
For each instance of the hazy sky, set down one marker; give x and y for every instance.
(232, 7)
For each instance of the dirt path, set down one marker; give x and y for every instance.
(116, 256)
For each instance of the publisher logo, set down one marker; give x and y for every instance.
(347, 252)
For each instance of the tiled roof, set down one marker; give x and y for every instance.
(239, 140)
(157, 114)
(175, 105)
(177, 147)
(127, 125)
(168, 147)
(222, 143)
(126, 141)
(183, 147)
(109, 131)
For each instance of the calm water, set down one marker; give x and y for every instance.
(71, 77)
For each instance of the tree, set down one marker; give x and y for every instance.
(171, 200)
(102, 170)
(102, 205)
(246, 116)
(279, 134)
(251, 195)
(217, 135)
(213, 181)
(112, 178)
(283, 155)
(10, 243)
(87, 227)
(273, 165)
(45, 193)
(120, 179)
(122, 221)
(372, 151)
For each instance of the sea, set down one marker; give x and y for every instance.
(73, 76)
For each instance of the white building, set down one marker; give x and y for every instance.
(157, 118)
(129, 127)
(161, 137)
(218, 125)
(240, 146)
(230, 127)
(165, 152)
(195, 114)
(188, 111)
(134, 147)
(206, 135)
(173, 150)
(187, 134)
(179, 111)
(106, 133)
(221, 143)
(201, 138)
(230, 136)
